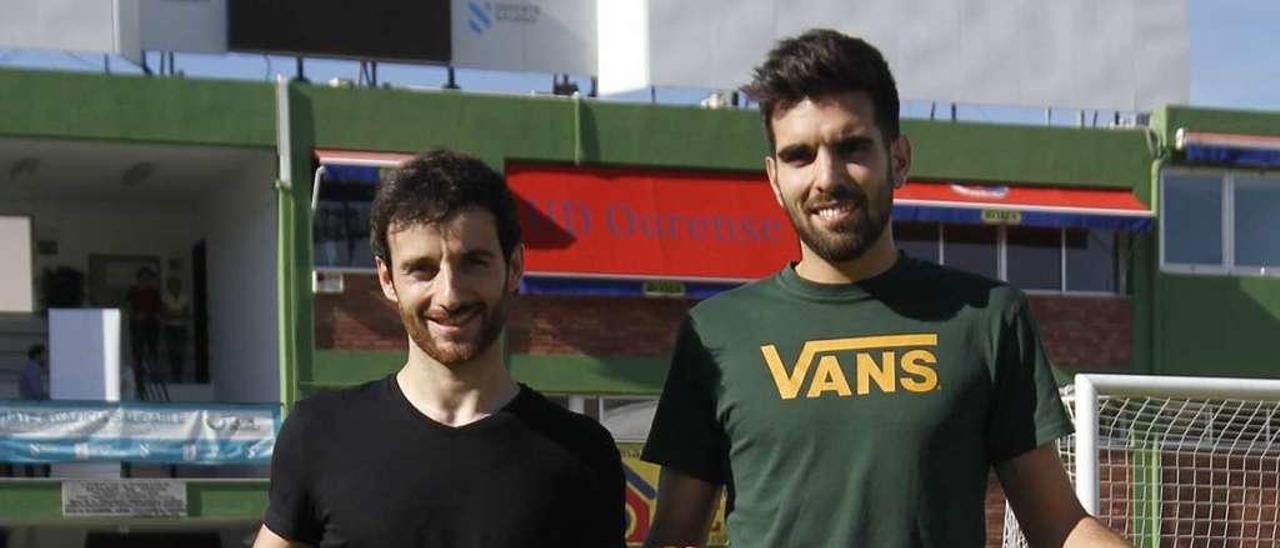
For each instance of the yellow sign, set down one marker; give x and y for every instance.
(1001, 217)
(642, 495)
(664, 288)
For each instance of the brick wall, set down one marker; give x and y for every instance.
(360, 318)
(1078, 332)
(1085, 332)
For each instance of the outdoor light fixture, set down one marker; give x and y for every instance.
(137, 174)
(24, 167)
(1229, 149)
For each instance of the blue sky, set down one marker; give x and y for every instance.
(1235, 63)
(1235, 53)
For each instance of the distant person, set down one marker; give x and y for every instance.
(176, 312)
(33, 381)
(450, 451)
(33, 384)
(143, 309)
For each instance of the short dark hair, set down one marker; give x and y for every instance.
(34, 351)
(819, 63)
(433, 187)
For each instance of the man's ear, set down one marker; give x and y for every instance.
(515, 268)
(900, 155)
(771, 169)
(385, 280)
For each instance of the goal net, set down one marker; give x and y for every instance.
(1175, 461)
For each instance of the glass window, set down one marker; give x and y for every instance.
(358, 234)
(341, 227)
(919, 240)
(1257, 221)
(1034, 258)
(1091, 260)
(972, 248)
(1192, 222)
(330, 234)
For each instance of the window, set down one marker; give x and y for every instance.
(972, 248)
(341, 227)
(1192, 220)
(1071, 260)
(1034, 257)
(919, 240)
(1091, 260)
(1220, 222)
(1256, 230)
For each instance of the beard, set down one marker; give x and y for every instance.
(453, 352)
(852, 238)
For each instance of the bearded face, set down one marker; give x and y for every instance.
(833, 173)
(451, 284)
(456, 336)
(843, 223)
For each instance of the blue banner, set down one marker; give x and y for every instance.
(158, 433)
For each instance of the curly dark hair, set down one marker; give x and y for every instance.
(433, 187)
(823, 62)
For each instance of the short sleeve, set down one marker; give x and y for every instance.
(1027, 411)
(686, 435)
(606, 525)
(291, 510)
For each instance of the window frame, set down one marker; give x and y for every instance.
(1227, 183)
(1002, 262)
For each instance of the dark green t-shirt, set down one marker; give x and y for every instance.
(865, 414)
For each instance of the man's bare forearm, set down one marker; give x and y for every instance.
(1089, 532)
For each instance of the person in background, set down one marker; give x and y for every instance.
(33, 382)
(143, 312)
(174, 304)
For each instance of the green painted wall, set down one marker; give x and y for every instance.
(1205, 324)
(1167, 120)
(1218, 325)
(125, 108)
(562, 130)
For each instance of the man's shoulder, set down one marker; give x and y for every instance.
(731, 303)
(329, 405)
(575, 431)
(927, 282)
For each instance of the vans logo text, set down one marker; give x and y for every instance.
(887, 361)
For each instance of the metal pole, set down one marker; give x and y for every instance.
(1087, 444)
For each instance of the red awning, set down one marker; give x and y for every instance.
(1022, 198)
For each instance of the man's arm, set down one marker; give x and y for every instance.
(686, 506)
(1045, 504)
(268, 539)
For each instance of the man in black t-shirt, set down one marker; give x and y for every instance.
(450, 451)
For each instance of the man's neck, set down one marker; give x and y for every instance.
(879, 258)
(460, 394)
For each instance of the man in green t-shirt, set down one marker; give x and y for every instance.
(858, 397)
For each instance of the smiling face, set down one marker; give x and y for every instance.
(451, 284)
(834, 174)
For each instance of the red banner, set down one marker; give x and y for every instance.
(636, 223)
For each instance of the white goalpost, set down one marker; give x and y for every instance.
(1175, 461)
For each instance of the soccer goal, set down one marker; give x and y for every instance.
(1175, 461)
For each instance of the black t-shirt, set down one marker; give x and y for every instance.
(362, 467)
